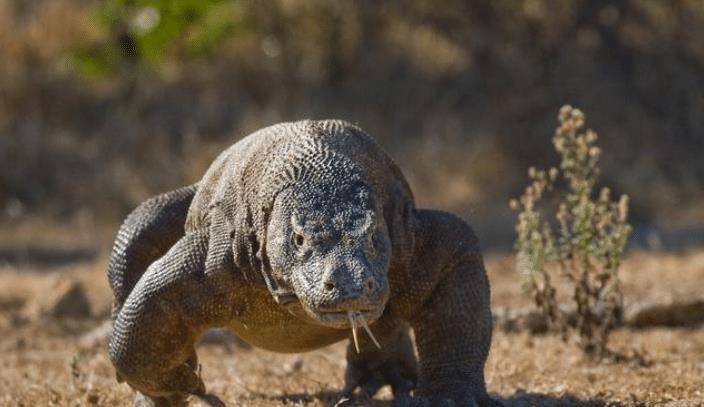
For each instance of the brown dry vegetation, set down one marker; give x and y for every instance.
(463, 96)
(47, 361)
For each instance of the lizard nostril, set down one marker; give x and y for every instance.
(329, 286)
(370, 285)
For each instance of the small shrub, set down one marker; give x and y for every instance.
(583, 243)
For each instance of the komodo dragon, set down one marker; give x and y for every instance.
(296, 237)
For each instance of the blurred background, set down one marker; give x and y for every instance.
(105, 103)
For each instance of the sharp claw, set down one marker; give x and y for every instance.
(372, 386)
(399, 384)
(210, 399)
(369, 331)
(353, 321)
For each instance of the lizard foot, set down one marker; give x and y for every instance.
(369, 374)
(170, 389)
(140, 400)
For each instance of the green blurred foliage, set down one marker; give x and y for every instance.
(150, 31)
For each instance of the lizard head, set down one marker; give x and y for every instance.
(330, 244)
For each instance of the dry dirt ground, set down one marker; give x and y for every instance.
(48, 361)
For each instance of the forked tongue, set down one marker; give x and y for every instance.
(354, 317)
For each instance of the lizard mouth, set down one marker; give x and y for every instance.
(340, 318)
(354, 319)
(351, 319)
(347, 319)
(336, 318)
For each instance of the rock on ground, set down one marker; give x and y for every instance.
(67, 299)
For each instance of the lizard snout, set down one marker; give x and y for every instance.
(343, 290)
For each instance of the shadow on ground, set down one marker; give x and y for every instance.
(42, 257)
(523, 399)
(331, 398)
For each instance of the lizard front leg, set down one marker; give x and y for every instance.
(145, 236)
(452, 316)
(393, 364)
(172, 304)
(453, 336)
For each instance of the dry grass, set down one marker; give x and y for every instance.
(48, 362)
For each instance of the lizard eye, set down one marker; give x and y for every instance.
(298, 239)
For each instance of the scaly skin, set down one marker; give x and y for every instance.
(302, 227)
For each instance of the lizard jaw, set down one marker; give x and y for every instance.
(335, 319)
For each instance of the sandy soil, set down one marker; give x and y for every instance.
(51, 362)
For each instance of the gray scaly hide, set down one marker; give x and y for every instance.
(298, 235)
